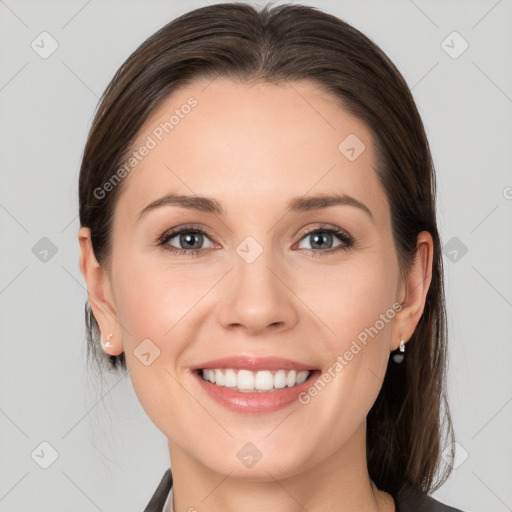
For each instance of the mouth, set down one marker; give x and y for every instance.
(255, 392)
(250, 384)
(248, 381)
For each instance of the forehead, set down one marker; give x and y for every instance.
(261, 142)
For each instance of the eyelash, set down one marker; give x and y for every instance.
(346, 239)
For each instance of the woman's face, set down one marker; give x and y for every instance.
(260, 285)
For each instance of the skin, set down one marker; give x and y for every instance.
(253, 147)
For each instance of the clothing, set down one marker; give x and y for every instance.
(169, 502)
(408, 499)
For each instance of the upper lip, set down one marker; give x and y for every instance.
(254, 363)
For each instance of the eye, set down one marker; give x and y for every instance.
(323, 240)
(189, 239)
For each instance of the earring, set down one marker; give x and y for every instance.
(108, 343)
(398, 358)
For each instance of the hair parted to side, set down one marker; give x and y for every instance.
(410, 420)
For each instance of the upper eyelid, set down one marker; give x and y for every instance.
(171, 233)
(325, 227)
(342, 235)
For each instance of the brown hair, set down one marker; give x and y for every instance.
(286, 43)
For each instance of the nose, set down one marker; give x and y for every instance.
(257, 297)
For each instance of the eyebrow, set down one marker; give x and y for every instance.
(297, 204)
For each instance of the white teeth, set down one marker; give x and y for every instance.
(230, 379)
(280, 379)
(245, 380)
(219, 378)
(263, 380)
(301, 377)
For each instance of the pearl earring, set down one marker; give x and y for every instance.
(108, 342)
(398, 358)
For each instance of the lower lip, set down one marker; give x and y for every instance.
(255, 403)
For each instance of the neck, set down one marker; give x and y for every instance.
(339, 483)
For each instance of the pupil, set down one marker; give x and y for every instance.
(188, 239)
(318, 237)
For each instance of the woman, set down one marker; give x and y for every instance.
(259, 241)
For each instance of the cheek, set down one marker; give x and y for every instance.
(154, 299)
(149, 307)
(355, 304)
(350, 298)
(158, 307)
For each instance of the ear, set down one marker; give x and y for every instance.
(99, 292)
(413, 290)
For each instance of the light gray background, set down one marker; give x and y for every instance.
(110, 456)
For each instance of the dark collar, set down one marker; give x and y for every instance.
(408, 499)
(157, 501)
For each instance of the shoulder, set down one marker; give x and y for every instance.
(157, 501)
(410, 499)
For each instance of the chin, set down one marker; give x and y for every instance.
(257, 461)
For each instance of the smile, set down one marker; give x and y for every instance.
(251, 381)
(239, 390)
